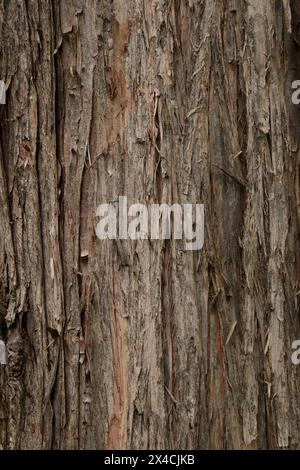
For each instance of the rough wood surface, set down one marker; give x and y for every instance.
(162, 101)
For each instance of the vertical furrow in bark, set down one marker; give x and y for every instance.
(75, 57)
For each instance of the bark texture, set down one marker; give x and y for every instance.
(147, 345)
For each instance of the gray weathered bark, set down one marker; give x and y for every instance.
(159, 100)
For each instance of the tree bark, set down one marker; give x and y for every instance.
(162, 101)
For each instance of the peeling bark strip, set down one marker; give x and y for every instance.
(2, 92)
(2, 353)
(164, 102)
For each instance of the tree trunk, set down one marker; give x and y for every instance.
(184, 101)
